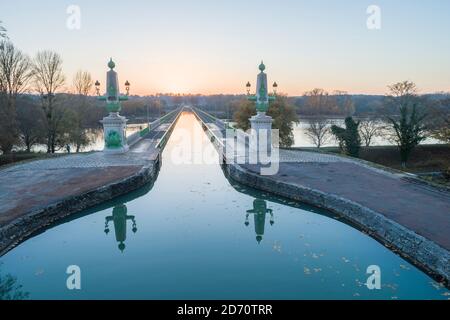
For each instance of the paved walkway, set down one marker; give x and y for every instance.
(37, 184)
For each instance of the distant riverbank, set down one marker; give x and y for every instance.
(302, 140)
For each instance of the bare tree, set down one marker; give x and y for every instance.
(15, 72)
(2, 31)
(317, 102)
(369, 129)
(344, 102)
(30, 122)
(403, 90)
(83, 83)
(318, 131)
(439, 120)
(48, 79)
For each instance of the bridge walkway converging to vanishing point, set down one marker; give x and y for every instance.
(232, 241)
(30, 188)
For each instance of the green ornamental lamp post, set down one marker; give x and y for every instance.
(114, 125)
(261, 124)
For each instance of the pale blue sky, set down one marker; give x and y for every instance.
(215, 46)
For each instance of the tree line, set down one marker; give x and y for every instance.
(405, 118)
(49, 116)
(36, 108)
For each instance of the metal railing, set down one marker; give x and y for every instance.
(138, 136)
(217, 121)
(163, 141)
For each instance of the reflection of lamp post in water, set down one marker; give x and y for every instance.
(120, 218)
(259, 212)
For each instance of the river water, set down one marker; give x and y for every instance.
(383, 138)
(196, 235)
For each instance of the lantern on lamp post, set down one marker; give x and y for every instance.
(127, 87)
(97, 88)
(248, 86)
(275, 88)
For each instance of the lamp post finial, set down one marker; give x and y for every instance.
(262, 66)
(111, 64)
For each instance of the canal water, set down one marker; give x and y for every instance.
(196, 235)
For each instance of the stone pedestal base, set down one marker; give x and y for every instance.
(114, 129)
(261, 134)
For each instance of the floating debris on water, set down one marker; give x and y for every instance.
(39, 272)
(437, 286)
(393, 287)
(404, 267)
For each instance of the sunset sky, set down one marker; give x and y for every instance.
(215, 46)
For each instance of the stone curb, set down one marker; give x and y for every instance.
(422, 252)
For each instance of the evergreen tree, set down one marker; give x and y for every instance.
(349, 138)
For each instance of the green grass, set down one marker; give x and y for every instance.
(439, 180)
(424, 158)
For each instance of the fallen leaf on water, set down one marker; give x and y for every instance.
(404, 267)
(437, 286)
(39, 272)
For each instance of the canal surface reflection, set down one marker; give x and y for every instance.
(196, 235)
